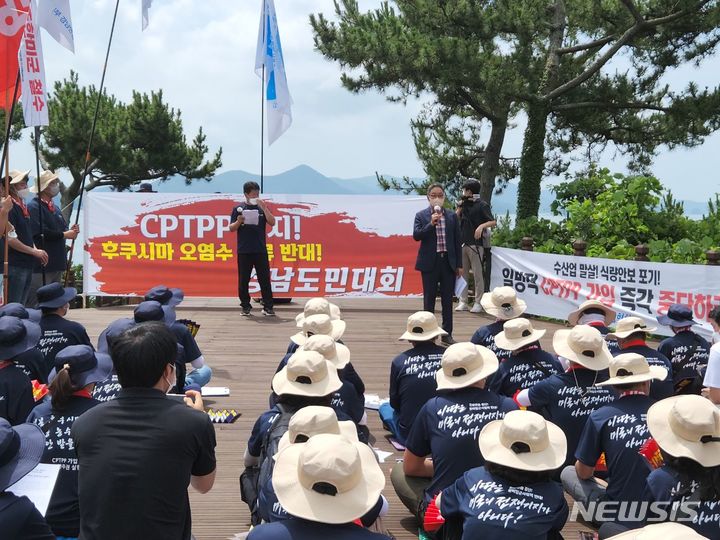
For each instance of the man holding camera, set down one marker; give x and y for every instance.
(476, 219)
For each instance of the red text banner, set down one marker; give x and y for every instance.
(321, 245)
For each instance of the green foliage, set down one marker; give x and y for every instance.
(614, 213)
(17, 124)
(137, 141)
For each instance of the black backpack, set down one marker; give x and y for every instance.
(254, 478)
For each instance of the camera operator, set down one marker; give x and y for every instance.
(476, 219)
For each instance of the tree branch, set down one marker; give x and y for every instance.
(585, 46)
(632, 8)
(476, 105)
(606, 105)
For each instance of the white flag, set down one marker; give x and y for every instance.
(145, 15)
(269, 54)
(54, 16)
(32, 72)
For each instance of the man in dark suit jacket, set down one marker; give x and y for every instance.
(440, 255)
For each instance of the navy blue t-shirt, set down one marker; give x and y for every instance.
(24, 234)
(32, 363)
(688, 354)
(63, 514)
(16, 395)
(108, 389)
(300, 529)
(412, 381)
(54, 226)
(20, 520)
(658, 389)
(485, 336)
(619, 430)
(58, 333)
(524, 369)
(664, 485)
(250, 238)
(447, 428)
(493, 509)
(186, 339)
(567, 399)
(604, 330)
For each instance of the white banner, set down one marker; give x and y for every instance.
(555, 285)
(54, 16)
(32, 71)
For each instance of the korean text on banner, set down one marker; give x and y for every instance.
(13, 14)
(321, 245)
(54, 16)
(32, 70)
(555, 285)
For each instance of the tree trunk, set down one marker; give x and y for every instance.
(532, 161)
(68, 195)
(491, 161)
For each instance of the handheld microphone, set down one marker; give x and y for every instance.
(437, 209)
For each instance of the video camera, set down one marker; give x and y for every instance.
(469, 201)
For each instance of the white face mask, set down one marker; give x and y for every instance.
(252, 202)
(53, 190)
(23, 193)
(172, 383)
(438, 201)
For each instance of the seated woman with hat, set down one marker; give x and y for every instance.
(513, 496)
(687, 430)
(504, 305)
(77, 369)
(32, 361)
(528, 363)
(596, 314)
(21, 448)
(16, 395)
(325, 484)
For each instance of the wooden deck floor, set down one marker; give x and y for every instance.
(244, 353)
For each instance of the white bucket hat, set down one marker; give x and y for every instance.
(574, 316)
(523, 440)
(632, 368)
(687, 426)
(583, 345)
(328, 479)
(315, 420)
(307, 373)
(661, 531)
(319, 324)
(503, 303)
(628, 326)
(516, 334)
(334, 352)
(464, 364)
(46, 177)
(318, 306)
(422, 326)
(18, 176)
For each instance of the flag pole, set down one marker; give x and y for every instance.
(262, 129)
(5, 163)
(39, 200)
(86, 170)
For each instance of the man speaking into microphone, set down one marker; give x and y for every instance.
(439, 257)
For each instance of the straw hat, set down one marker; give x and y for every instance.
(661, 531)
(336, 353)
(464, 364)
(18, 176)
(523, 440)
(631, 368)
(687, 426)
(314, 420)
(319, 324)
(46, 177)
(610, 314)
(503, 303)
(318, 306)
(307, 373)
(422, 326)
(628, 326)
(516, 334)
(328, 479)
(583, 345)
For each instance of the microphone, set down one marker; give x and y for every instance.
(437, 209)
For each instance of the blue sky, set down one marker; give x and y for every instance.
(201, 53)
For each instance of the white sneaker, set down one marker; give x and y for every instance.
(477, 308)
(462, 306)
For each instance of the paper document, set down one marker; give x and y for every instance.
(215, 391)
(38, 485)
(252, 217)
(460, 285)
(373, 401)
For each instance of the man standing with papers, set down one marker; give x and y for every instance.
(439, 257)
(250, 219)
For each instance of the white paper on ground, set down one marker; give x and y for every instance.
(215, 391)
(38, 485)
(381, 454)
(252, 217)
(373, 401)
(460, 285)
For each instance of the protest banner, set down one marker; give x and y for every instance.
(555, 285)
(321, 245)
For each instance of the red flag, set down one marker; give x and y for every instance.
(12, 24)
